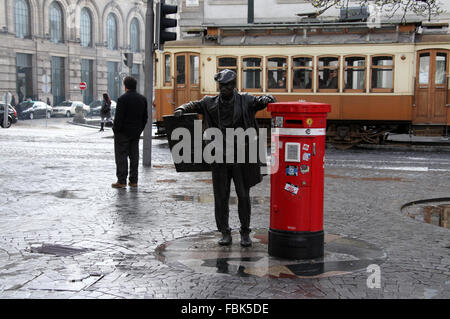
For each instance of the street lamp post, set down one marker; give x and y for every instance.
(148, 70)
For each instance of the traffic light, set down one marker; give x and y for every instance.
(128, 59)
(163, 23)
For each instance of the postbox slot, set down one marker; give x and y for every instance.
(294, 123)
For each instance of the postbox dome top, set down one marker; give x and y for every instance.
(299, 107)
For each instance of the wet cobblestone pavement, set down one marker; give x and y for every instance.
(65, 233)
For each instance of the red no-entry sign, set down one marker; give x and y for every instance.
(83, 86)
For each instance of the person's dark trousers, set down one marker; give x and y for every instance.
(124, 148)
(222, 174)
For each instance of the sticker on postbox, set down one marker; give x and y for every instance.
(306, 147)
(279, 121)
(306, 156)
(291, 170)
(304, 169)
(291, 188)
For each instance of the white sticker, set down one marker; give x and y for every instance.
(306, 156)
(306, 147)
(291, 188)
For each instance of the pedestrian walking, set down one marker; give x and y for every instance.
(129, 122)
(48, 101)
(105, 111)
(230, 109)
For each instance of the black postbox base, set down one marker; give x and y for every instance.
(296, 245)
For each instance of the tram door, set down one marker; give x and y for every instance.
(431, 87)
(187, 77)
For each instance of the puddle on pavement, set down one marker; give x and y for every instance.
(65, 194)
(206, 198)
(434, 212)
(202, 254)
(57, 250)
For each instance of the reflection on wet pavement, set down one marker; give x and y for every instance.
(201, 253)
(207, 198)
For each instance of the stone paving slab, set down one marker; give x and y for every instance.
(56, 190)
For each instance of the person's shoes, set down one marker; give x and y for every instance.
(226, 239)
(132, 184)
(245, 240)
(118, 185)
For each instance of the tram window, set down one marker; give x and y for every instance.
(276, 73)
(424, 68)
(355, 73)
(328, 73)
(382, 73)
(441, 66)
(252, 73)
(227, 63)
(181, 69)
(194, 68)
(167, 66)
(302, 75)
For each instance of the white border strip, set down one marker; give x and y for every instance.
(299, 131)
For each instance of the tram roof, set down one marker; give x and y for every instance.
(322, 32)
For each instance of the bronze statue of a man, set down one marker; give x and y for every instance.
(230, 109)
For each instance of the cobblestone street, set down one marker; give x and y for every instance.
(56, 190)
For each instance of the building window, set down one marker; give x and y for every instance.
(135, 36)
(22, 19)
(113, 80)
(56, 23)
(227, 62)
(382, 73)
(87, 76)
(167, 69)
(251, 73)
(276, 73)
(111, 32)
(58, 87)
(302, 73)
(86, 28)
(24, 76)
(355, 74)
(328, 73)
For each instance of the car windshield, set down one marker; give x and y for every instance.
(96, 103)
(66, 104)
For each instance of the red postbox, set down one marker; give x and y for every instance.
(297, 179)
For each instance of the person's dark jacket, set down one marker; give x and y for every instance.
(105, 110)
(246, 106)
(131, 114)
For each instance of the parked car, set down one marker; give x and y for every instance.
(97, 105)
(67, 108)
(35, 109)
(12, 115)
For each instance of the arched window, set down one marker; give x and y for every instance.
(86, 28)
(135, 36)
(111, 31)
(56, 23)
(22, 19)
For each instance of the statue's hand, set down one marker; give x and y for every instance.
(269, 99)
(178, 113)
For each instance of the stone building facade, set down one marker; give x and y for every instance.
(48, 47)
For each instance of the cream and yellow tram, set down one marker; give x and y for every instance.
(374, 87)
